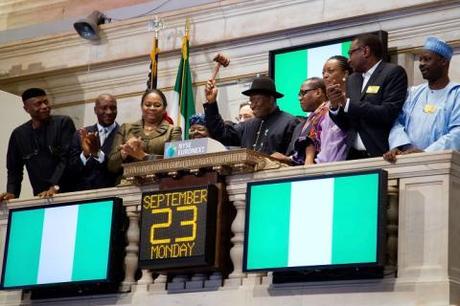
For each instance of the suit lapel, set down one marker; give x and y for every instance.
(107, 146)
(354, 84)
(359, 81)
(160, 130)
(372, 79)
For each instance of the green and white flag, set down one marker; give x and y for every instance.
(289, 77)
(183, 106)
(59, 244)
(313, 222)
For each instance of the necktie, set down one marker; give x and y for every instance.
(103, 134)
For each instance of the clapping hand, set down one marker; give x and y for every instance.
(335, 95)
(134, 147)
(90, 143)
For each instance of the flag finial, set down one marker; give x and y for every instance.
(187, 27)
(155, 25)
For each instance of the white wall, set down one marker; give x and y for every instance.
(11, 116)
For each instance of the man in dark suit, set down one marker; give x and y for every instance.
(376, 92)
(269, 131)
(41, 145)
(91, 147)
(311, 95)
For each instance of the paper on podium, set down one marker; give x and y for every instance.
(192, 147)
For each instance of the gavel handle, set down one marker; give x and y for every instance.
(216, 70)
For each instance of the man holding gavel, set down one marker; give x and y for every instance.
(271, 129)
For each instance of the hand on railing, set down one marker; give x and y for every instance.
(6, 196)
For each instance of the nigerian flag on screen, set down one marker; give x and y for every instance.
(292, 68)
(183, 106)
(313, 222)
(59, 244)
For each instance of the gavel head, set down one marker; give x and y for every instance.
(222, 59)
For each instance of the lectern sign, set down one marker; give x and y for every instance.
(178, 228)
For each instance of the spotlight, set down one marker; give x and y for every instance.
(87, 27)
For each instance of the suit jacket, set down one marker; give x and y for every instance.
(44, 152)
(94, 174)
(266, 135)
(153, 143)
(373, 110)
(295, 135)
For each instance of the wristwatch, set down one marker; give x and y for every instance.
(56, 188)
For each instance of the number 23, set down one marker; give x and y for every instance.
(168, 211)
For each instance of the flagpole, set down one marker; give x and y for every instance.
(184, 50)
(156, 25)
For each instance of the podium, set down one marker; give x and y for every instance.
(224, 163)
(185, 225)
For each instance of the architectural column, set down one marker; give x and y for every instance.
(236, 252)
(159, 283)
(392, 228)
(132, 249)
(145, 281)
(424, 228)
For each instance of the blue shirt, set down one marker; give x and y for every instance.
(429, 120)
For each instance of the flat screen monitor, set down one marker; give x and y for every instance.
(64, 244)
(289, 67)
(315, 223)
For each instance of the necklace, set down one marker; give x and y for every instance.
(149, 128)
(254, 146)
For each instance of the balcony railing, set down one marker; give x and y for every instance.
(423, 235)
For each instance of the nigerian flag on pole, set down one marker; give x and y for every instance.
(184, 105)
(313, 222)
(59, 244)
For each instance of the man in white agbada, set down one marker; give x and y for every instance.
(430, 118)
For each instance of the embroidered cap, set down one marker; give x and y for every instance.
(197, 118)
(439, 47)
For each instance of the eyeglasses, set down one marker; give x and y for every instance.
(351, 51)
(304, 92)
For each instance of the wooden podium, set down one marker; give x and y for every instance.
(182, 232)
(224, 163)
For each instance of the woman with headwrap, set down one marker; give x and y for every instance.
(198, 127)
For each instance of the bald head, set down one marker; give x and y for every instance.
(105, 108)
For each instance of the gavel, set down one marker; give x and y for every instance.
(221, 60)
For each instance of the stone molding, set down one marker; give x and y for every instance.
(76, 71)
(413, 165)
(428, 265)
(131, 196)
